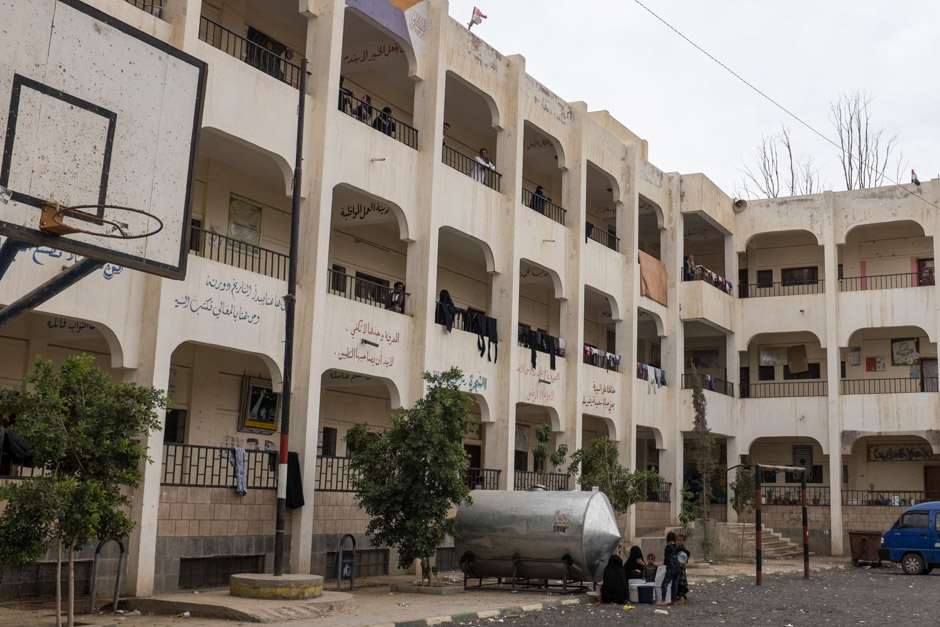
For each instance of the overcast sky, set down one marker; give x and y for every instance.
(696, 116)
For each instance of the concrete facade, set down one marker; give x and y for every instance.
(834, 278)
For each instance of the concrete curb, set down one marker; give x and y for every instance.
(512, 609)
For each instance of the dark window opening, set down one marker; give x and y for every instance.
(521, 461)
(765, 278)
(799, 276)
(215, 572)
(338, 282)
(174, 430)
(329, 442)
(766, 373)
(812, 373)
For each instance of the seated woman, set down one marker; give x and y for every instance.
(635, 563)
(614, 589)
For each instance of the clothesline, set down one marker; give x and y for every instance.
(701, 273)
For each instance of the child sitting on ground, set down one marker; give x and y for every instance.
(649, 572)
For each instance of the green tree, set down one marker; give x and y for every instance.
(703, 450)
(743, 499)
(599, 465)
(85, 437)
(410, 476)
(543, 433)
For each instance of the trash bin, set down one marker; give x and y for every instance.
(865, 545)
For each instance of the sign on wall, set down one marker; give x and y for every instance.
(904, 352)
(259, 408)
(911, 452)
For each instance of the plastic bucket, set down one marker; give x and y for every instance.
(644, 593)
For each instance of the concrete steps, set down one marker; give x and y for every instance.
(773, 545)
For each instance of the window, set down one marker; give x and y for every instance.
(328, 442)
(842, 369)
(521, 461)
(815, 477)
(338, 280)
(768, 476)
(765, 278)
(765, 373)
(195, 239)
(811, 373)
(913, 520)
(371, 288)
(175, 429)
(799, 276)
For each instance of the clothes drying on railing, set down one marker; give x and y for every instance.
(539, 341)
(237, 458)
(708, 382)
(701, 273)
(445, 311)
(655, 377)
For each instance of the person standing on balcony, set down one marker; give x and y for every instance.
(364, 110)
(539, 199)
(396, 298)
(481, 165)
(689, 268)
(384, 123)
(345, 97)
(446, 130)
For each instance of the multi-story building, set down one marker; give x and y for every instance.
(812, 321)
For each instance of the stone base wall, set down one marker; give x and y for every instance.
(652, 518)
(171, 550)
(39, 578)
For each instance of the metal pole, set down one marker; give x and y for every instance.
(8, 252)
(289, 302)
(50, 288)
(805, 530)
(757, 522)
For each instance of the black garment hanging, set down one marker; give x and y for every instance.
(550, 347)
(295, 487)
(492, 339)
(444, 313)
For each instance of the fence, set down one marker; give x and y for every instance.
(790, 495)
(711, 383)
(214, 467)
(899, 498)
(467, 165)
(364, 291)
(556, 482)
(701, 273)
(601, 359)
(251, 53)
(383, 122)
(236, 253)
(887, 281)
(544, 206)
(333, 474)
(153, 7)
(658, 492)
(889, 386)
(601, 236)
(788, 389)
(760, 290)
(482, 478)
(17, 467)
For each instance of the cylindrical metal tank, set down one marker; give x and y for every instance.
(536, 535)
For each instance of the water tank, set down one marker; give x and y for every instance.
(536, 535)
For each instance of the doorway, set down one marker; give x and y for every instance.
(925, 272)
(928, 375)
(744, 391)
(932, 483)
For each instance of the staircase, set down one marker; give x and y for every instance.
(773, 545)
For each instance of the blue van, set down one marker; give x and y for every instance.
(914, 540)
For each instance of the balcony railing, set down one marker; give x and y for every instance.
(17, 467)
(482, 478)
(601, 359)
(658, 492)
(709, 382)
(544, 206)
(368, 292)
(470, 167)
(889, 386)
(153, 7)
(251, 53)
(601, 236)
(538, 341)
(463, 319)
(236, 253)
(383, 122)
(790, 495)
(652, 374)
(333, 474)
(894, 498)
(760, 290)
(553, 481)
(887, 281)
(214, 467)
(788, 389)
(701, 273)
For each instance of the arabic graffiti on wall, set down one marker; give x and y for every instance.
(368, 331)
(914, 452)
(602, 397)
(472, 384)
(365, 356)
(372, 54)
(360, 211)
(43, 255)
(539, 383)
(246, 304)
(75, 326)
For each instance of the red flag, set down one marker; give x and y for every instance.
(476, 18)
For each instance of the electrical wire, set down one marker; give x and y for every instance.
(771, 100)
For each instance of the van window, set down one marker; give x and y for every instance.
(913, 520)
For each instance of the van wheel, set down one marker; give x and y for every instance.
(913, 564)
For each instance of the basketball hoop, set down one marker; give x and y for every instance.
(51, 221)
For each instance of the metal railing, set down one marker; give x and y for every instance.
(894, 498)
(888, 386)
(760, 290)
(790, 495)
(713, 384)
(468, 165)
(553, 481)
(701, 273)
(788, 389)
(481, 478)
(645, 372)
(601, 359)
(544, 206)
(251, 53)
(153, 7)
(236, 253)
(369, 114)
(17, 468)
(214, 467)
(601, 236)
(364, 291)
(887, 281)
(333, 474)
(659, 492)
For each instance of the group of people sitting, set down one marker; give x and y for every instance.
(616, 589)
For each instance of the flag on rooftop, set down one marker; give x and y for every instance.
(476, 18)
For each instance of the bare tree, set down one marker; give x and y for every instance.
(777, 172)
(863, 151)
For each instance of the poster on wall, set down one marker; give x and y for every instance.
(244, 221)
(474, 431)
(881, 364)
(522, 437)
(773, 356)
(855, 355)
(259, 407)
(904, 352)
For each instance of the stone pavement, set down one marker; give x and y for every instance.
(369, 605)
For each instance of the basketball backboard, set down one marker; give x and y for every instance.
(96, 112)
